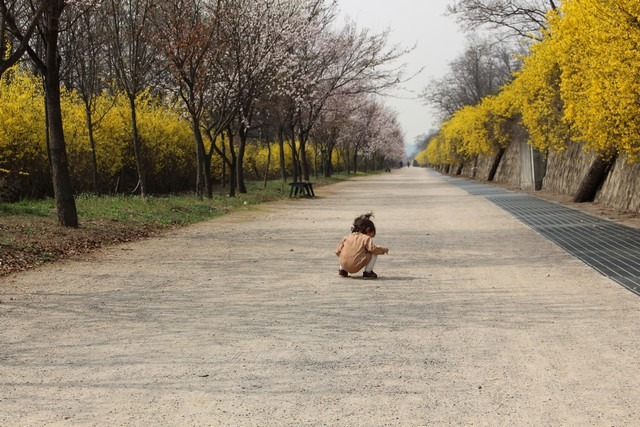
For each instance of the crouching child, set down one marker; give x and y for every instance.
(357, 250)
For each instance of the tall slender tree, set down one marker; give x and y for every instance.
(134, 60)
(19, 23)
(479, 71)
(87, 73)
(186, 32)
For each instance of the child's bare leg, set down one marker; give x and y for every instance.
(369, 267)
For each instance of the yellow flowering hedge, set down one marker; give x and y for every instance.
(580, 84)
(23, 158)
(166, 138)
(599, 46)
(479, 130)
(168, 148)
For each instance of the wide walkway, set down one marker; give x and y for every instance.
(476, 319)
(611, 248)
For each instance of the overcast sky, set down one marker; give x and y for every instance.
(438, 41)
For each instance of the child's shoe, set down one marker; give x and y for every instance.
(369, 275)
(343, 273)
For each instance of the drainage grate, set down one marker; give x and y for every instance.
(612, 249)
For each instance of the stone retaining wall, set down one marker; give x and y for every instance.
(559, 173)
(621, 190)
(566, 169)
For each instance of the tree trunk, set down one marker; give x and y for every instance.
(266, 170)
(201, 164)
(223, 149)
(326, 163)
(355, 162)
(92, 144)
(294, 156)
(283, 166)
(304, 165)
(242, 189)
(295, 163)
(232, 167)
(593, 180)
(65, 203)
(137, 147)
(347, 158)
(208, 179)
(495, 164)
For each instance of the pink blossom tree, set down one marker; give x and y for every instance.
(371, 131)
(344, 62)
(259, 34)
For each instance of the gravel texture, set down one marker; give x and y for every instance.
(243, 321)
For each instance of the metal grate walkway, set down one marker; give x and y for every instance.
(612, 249)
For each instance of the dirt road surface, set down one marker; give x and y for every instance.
(475, 320)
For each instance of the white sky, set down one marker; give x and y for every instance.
(438, 41)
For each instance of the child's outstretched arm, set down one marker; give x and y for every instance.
(377, 250)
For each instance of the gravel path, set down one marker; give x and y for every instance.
(243, 321)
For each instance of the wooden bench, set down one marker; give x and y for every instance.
(301, 187)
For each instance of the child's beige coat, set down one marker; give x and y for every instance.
(355, 251)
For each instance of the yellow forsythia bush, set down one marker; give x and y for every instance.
(167, 140)
(580, 84)
(24, 166)
(599, 56)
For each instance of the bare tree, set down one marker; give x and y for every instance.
(218, 119)
(19, 21)
(186, 32)
(260, 34)
(134, 61)
(360, 127)
(520, 18)
(304, 74)
(480, 71)
(87, 72)
(327, 130)
(387, 140)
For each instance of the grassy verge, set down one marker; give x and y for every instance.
(30, 235)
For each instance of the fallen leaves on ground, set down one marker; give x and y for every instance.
(24, 245)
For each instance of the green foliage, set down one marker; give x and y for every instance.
(36, 208)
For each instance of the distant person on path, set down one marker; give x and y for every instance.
(357, 250)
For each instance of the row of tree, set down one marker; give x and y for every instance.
(353, 133)
(236, 70)
(578, 84)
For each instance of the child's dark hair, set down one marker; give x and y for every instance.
(362, 223)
